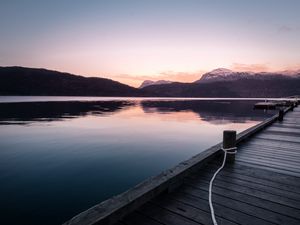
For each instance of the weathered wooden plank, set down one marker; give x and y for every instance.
(189, 211)
(292, 147)
(243, 211)
(165, 216)
(247, 190)
(269, 147)
(283, 133)
(138, 219)
(290, 163)
(278, 155)
(295, 127)
(261, 173)
(268, 164)
(226, 180)
(257, 180)
(225, 212)
(294, 166)
(260, 148)
(291, 119)
(290, 123)
(265, 167)
(295, 114)
(274, 155)
(283, 129)
(251, 200)
(279, 138)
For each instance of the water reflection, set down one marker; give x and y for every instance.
(215, 112)
(24, 113)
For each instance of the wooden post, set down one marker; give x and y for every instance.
(280, 115)
(229, 141)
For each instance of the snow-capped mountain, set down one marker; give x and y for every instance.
(222, 74)
(150, 82)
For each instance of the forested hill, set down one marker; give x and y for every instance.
(28, 81)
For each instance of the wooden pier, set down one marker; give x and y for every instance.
(261, 187)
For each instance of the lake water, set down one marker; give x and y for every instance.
(60, 157)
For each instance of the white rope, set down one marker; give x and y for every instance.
(213, 217)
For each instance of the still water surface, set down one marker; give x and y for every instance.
(61, 157)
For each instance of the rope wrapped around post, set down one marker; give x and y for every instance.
(232, 150)
(231, 139)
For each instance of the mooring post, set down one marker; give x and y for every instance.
(229, 141)
(280, 115)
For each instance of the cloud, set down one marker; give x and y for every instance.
(136, 80)
(181, 76)
(293, 67)
(249, 67)
(285, 29)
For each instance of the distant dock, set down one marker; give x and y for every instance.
(273, 104)
(261, 186)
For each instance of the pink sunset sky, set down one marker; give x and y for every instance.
(131, 41)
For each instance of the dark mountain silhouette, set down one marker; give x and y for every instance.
(237, 85)
(28, 81)
(218, 83)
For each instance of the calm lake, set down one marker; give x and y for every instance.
(61, 155)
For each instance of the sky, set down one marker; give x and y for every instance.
(134, 40)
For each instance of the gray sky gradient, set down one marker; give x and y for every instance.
(157, 38)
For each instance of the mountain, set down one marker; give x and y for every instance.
(231, 89)
(217, 83)
(223, 74)
(150, 82)
(29, 81)
(226, 83)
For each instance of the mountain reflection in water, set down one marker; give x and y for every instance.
(23, 113)
(211, 111)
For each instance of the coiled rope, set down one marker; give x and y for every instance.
(226, 151)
